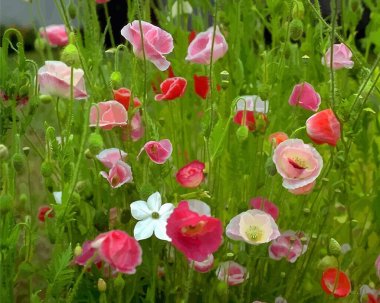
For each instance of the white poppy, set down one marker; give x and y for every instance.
(152, 217)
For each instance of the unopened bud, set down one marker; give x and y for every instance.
(72, 9)
(4, 154)
(298, 11)
(88, 154)
(95, 143)
(78, 250)
(47, 169)
(39, 44)
(242, 133)
(45, 99)
(334, 248)
(50, 133)
(296, 29)
(18, 161)
(102, 285)
(70, 55)
(119, 283)
(306, 211)
(326, 262)
(116, 79)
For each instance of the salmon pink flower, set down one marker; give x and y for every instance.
(191, 175)
(137, 127)
(172, 88)
(152, 216)
(323, 127)
(108, 115)
(119, 174)
(54, 79)
(110, 156)
(55, 35)
(157, 42)
(369, 295)
(199, 50)
(335, 282)
(45, 211)
(298, 163)
(158, 151)
(277, 138)
(232, 273)
(288, 245)
(253, 226)
(204, 266)
(195, 235)
(266, 206)
(122, 252)
(87, 253)
(304, 95)
(341, 57)
(123, 96)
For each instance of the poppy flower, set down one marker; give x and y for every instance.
(191, 36)
(288, 245)
(266, 206)
(341, 57)
(232, 273)
(323, 127)
(108, 115)
(249, 111)
(55, 34)
(277, 137)
(119, 174)
(335, 282)
(172, 88)
(87, 253)
(110, 156)
(304, 95)
(191, 175)
(205, 265)
(45, 211)
(369, 295)
(158, 151)
(196, 236)
(201, 86)
(123, 96)
(137, 127)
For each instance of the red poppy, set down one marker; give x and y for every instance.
(323, 127)
(335, 282)
(172, 88)
(192, 36)
(170, 72)
(249, 121)
(43, 210)
(123, 96)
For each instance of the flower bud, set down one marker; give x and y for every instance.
(334, 248)
(6, 202)
(298, 11)
(102, 285)
(242, 133)
(23, 198)
(225, 79)
(70, 55)
(40, 44)
(50, 133)
(119, 283)
(270, 167)
(45, 99)
(88, 154)
(78, 250)
(296, 29)
(95, 143)
(4, 154)
(306, 211)
(18, 161)
(47, 169)
(72, 9)
(115, 79)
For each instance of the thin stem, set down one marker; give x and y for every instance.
(109, 27)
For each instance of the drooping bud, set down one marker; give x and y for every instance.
(70, 55)
(45, 99)
(39, 44)
(95, 143)
(78, 250)
(47, 169)
(88, 154)
(296, 29)
(334, 248)
(18, 161)
(4, 154)
(102, 285)
(72, 9)
(116, 79)
(242, 133)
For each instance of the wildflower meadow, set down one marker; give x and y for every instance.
(192, 151)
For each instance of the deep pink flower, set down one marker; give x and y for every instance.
(119, 174)
(172, 88)
(266, 206)
(45, 211)
(204, 266)
(199, 50)
(191, 175)
(157, 42)
(341, 57)
(232, 273)
(137, 127)
(298, 163)
(335, 282)
(54, 79)
(323, 127)
(87, 253)
(253, 226)
(197, 236)
(122, 252)
(110, 156)
(108, 114)
(55, 35)
(158, 151)
(304, 95)
(288, 246)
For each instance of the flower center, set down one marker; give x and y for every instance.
(115, 180)
(192, 230)
(297, 163)
(254, 233)
(155, 215)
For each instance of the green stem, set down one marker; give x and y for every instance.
(109, 27)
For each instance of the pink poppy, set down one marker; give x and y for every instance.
(304, 190)
(122, 252)
(253, 226)
(369, 295)
(108, 114)
(304, 95)
(196, 236)
(157, 42)
(172, 88)
(45, 211)
(278, 137)
(288, 245)
(119, 174)
(55, 35)
(191, 175)
(110, 156)
(158, 151)
(232, 273)
(199, 50)
(341, 57)
(123, 96)
(323, 127)
(204, 266)
(266, 206)
(54, 79)
(137, 127)
(335, 282)
(87, 253)
(298, 163)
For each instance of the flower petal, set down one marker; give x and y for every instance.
(154, 202)
(140, 210)
(144, 229)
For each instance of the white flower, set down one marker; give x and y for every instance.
(184, 8)
(152, 217)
